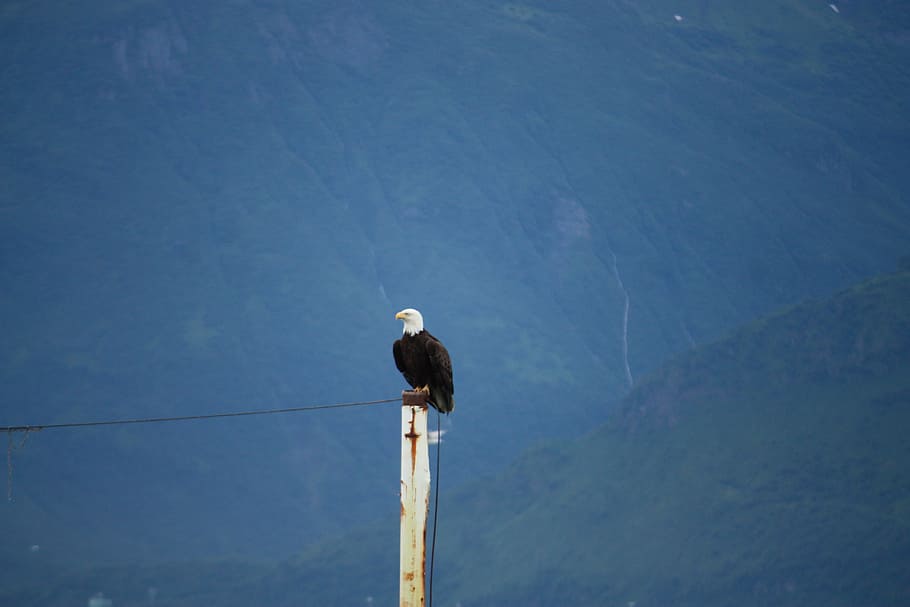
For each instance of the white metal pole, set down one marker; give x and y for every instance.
(415, 499)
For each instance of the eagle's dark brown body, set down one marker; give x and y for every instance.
(424, 361)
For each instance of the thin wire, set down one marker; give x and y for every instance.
(435, 504)
(10, 430)
(181, 418)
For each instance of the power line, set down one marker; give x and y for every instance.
(182, 418)
(435, 502)
(11, 430)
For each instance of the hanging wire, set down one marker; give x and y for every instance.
(182, 418)
(435, 504)
(11, 430)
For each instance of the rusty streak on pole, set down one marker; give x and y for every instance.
(415, 498)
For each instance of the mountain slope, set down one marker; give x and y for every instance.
(768, 468)
(219, 206)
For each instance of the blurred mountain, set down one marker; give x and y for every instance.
(219, 206)
(768, 468)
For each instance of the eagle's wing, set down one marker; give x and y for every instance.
(400, 362)
(399, 357)
(440, 365)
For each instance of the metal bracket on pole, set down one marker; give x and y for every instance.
(415, 498)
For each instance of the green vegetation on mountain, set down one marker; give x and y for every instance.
(768, 468)
(214, 206)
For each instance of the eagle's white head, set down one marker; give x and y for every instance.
(413, 321)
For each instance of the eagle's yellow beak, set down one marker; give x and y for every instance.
(400, 315)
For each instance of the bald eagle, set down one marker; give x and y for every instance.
(424, 361)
